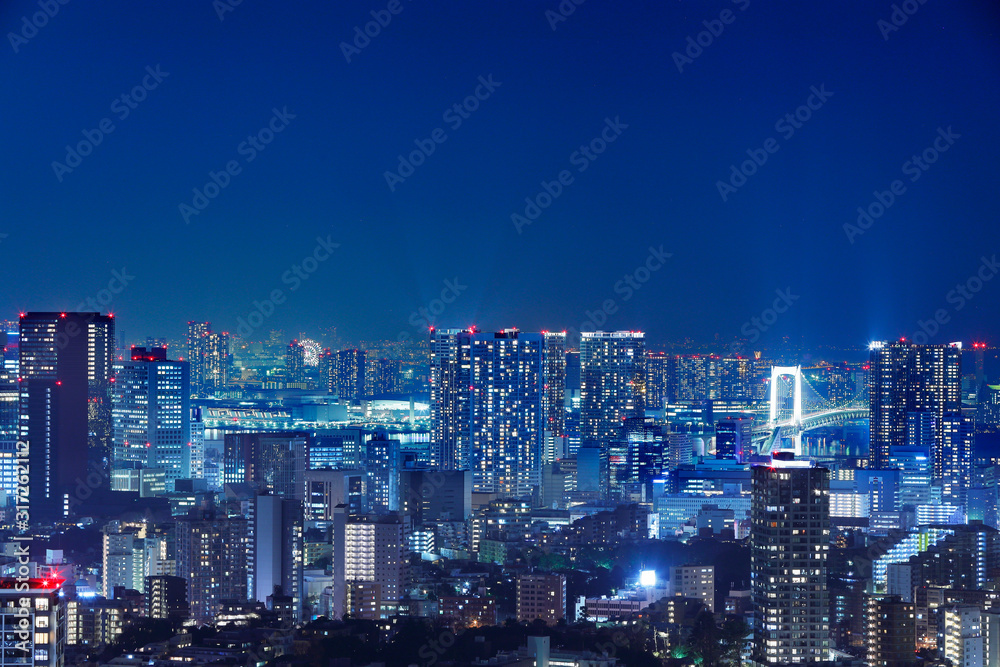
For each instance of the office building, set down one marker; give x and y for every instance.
(734, 438)
(612, 383)
(151, 414)
(65, 403)
(327, 489)
(789, 549)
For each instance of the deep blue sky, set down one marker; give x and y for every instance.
(324, 174)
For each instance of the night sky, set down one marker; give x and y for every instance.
(447, 227)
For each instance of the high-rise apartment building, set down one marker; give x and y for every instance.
(210, 359)
(65, 403)
(450, 379)
(507, 429)
(736, 379)
(612, 383)
(295, 362)
(381, 376)
(694, 581)
(33, 615)
(328, 371)
(541, 596)
(351, 374)
(964, 640)
(554, 396)
(789, 550)
(277, 555)
(151, 414)
(659, 373)
(890, 632)
(212, 553)
(696, 378)
(491, 394)
(272, 462)
(906, 378)
(376, 563)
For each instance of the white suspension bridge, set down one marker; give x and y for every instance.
(809, 410)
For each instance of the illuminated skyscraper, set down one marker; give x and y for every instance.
(151, 413)
(273, 462)
(197, 332)
(696, 378)
(450, 371)
(736, 378)
(489, 405)
(295, 362)
(209, 357)
(277, 551)
(381, 377)
(906, 378)
(507, 386)
(65, 402)
(351, 374)
(328, 371)
(612, 383)
(659, 369)
(554, 398)
(789, 549)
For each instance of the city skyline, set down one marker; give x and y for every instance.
(718, 186)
